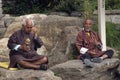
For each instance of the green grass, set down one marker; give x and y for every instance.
(112, 34)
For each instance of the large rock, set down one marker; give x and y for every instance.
(42, 51)
(57, 33)
(4, 51)
(58, 43)
(2, 31)
(118, 71)
(76, 70)
(5, 20)
(12, 28)
(27, 75)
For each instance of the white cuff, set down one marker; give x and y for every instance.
(83, 50)
(16, 47)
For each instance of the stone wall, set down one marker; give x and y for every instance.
(111, 16)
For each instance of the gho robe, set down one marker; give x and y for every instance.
(18, 38)
(88, 40)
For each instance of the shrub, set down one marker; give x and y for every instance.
(20, 7)
(112, 34)
(69, 6)
(112, 4)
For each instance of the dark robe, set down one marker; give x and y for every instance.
(88, 40)
(18, 38)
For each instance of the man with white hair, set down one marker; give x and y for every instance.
(23, 45)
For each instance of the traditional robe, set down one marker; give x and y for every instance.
(88, 40)
(19, 38)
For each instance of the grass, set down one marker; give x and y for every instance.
(112, 34)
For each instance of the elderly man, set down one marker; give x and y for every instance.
(89, 45)
(23, 45)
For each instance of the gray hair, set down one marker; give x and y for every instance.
(24, 21)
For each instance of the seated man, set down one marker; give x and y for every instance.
(89, 45)
(23, 45)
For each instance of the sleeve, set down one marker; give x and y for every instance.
(16, 47)
(38, 42)
(99, 46)
(12, 42)
(79, 43)
(99, 40)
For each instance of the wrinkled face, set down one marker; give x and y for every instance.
(28, 27)
(88, 25)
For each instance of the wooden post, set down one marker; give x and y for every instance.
(1, 7)
(101, 22)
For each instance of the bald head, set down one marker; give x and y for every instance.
(88, 24)
(88, 21)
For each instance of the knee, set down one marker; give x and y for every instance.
(109, 53)
(45, 59)
(21, 62)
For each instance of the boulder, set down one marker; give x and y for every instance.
(76, 70)
(27, 74)
(118, 71)
(4, 51)
(58, 33)
(12, 28)
(2, 31)
(42, 51)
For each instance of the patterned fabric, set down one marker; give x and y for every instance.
(19, 38)
(89, 40)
